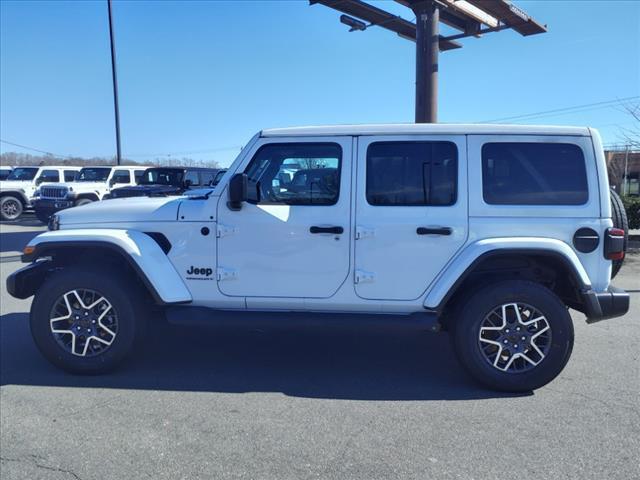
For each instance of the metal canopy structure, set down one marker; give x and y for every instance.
(472, 18)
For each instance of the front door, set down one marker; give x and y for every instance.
(292, 239)
(411, 212)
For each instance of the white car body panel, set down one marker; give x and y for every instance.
(458, 266)
(144, 251)
(123, 210)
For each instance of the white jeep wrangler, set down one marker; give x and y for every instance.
(90, 185)
(18, 188)
(489, 232)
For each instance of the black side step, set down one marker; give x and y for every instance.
(203, 316)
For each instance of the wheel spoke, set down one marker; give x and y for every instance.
(519, 341)
(82, 330)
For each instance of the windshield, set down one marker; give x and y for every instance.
(161, 176)
(23, 174)
(93, 175)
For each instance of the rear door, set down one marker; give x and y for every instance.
(411, 212)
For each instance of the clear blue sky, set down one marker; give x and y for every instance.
(203, 77)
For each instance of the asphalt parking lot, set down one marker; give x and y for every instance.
(339, 403)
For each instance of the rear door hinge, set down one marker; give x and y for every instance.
(225, 230)
(223, 273)
(364, 232)
(362, 276)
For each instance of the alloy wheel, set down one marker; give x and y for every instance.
(83, 322)
(514, 337)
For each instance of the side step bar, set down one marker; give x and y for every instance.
(186, 315)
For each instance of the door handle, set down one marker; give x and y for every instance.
(434, 230)
(334, 230)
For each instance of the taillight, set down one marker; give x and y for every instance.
(614, 244)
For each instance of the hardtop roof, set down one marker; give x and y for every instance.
(425, 129)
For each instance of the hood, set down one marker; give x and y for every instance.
(136, 209)
(144, 190)
(16, 184)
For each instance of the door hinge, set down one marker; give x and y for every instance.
(224, 230)
(362, 276)
(364, 232)
(226, 274)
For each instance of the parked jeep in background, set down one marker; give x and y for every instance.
(4, 172)
(489, 232)
(163, 181)
(91, 185)
(17, 190)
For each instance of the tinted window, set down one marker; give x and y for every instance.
(121, 176)
(70, 175)
(412, 173)
(22, 173)
(192, 177)
(49, 176)
(138, 175)
(207, 177)
(533, 174)
(162, 176)
(93, 174)
(296, 174)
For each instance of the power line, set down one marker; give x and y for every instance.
(574, 109)
(166, 154)
(34, 149)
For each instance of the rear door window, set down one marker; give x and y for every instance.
(70, 175)
(49, 176)
(521, 173)
(412, 173)
(121, 176)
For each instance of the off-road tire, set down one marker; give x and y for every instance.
(10, 208)
(125, 297)
(619, 218)
(471, 314)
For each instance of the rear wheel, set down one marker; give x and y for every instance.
(86, 321)
(10, 207)
(619, 218)
(513, 336)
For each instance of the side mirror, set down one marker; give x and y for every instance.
(39, 180)
(237, 191)
(188, 183)
(112, 182)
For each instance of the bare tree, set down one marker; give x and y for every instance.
(631, 136)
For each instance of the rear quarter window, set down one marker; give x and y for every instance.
(521, 173)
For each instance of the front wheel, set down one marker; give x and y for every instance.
(513, 336)
(85, 321)
(82, 201)
(10, 208)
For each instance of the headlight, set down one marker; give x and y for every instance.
(54, 222)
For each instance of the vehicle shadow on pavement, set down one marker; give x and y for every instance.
(378, 363)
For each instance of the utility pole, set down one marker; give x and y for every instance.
(427, 50)
(473, 18)
(114, 78)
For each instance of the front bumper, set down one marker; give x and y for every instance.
(614, 302)
(23, 283)
(51, 206)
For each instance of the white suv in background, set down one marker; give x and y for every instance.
(17, 190)
(91, 185)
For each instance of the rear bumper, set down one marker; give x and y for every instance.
(614, 302)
